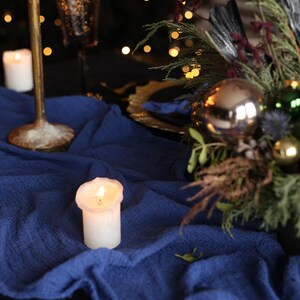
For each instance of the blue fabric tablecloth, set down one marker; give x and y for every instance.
(176, 106)
(42, 254)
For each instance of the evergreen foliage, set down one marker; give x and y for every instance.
(243, 189)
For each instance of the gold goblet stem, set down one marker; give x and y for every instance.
(36, 48)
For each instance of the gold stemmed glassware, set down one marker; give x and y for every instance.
(41, 135)
(80, 20)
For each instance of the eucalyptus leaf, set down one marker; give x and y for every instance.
(190, 257)
(192, 162)
(223, 154)
(203, 156)
(196, 135)
(224, 207)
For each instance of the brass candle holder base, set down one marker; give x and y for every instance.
(42, 136)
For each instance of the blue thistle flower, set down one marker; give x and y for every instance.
(276, 124)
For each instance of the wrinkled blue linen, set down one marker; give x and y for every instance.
(178, 106)
(42, 252)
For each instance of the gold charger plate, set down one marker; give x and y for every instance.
(142, 95)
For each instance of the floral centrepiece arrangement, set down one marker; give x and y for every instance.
(246, 130)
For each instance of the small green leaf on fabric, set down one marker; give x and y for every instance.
(191, 257)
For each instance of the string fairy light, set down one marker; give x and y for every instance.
(57, 22)
(7, 18)
(188, 15)
(49, 21)
(125, 50)
(185, 69)
(175, 35)
(47, 51)
(174, 51)
(147, 48)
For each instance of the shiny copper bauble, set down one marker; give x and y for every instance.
(231, 109)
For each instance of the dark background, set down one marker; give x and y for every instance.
(120, 24)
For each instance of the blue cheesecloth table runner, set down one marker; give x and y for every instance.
(42, 254)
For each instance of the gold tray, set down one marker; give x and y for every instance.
(142, 95)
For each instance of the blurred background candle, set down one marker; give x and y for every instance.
(100, 202)
(18, 70)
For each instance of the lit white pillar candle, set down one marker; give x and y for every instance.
(100, 202)
(18, 70)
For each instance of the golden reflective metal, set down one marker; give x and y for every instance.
(286, 151)
(231, 109)
(139, 114)
(40, 135)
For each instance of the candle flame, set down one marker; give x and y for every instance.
(17, 56)
(101, 191)
(101, 194)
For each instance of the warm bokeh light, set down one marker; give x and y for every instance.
(188, 15)
(47, 51)
(196, 72)
(174, 51)
(147, 48)
(185, 69)
(175, 35)
(189, 75)
(210, 101)
(188, 43)
(180, 18)
(42, 19)
(125, 50)
(7, 18)
(57, 22)
(294, 84)
(211, 127)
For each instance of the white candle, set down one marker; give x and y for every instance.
(18, 70)
(100, 202)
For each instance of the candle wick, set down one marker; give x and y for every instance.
(99, 201)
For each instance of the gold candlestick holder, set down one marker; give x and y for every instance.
(41, 135)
